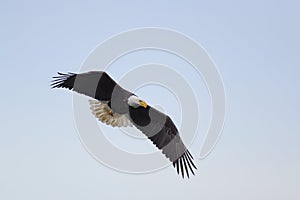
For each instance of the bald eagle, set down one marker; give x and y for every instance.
(117, 107)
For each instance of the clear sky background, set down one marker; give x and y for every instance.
(255, 45)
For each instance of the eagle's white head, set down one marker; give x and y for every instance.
(135, 102)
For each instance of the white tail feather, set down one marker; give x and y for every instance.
(105, 114)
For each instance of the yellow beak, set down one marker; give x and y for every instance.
(144, 104)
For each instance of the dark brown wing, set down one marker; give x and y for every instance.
(161, 130)
(96, 84)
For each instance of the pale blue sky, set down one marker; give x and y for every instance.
(255, 45)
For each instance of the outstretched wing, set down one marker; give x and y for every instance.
(161, 130)
(95, 84)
